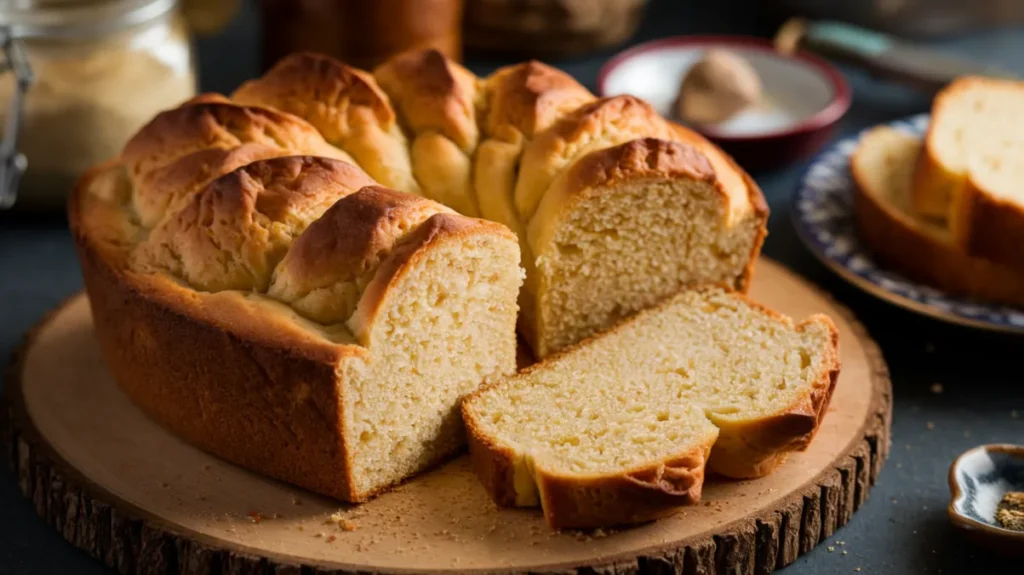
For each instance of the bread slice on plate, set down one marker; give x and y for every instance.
(619, 428)
(972, 168)
(883, 168)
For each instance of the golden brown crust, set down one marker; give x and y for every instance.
(162, 190)
(345, 104)
(213, 123)
(233, 232)
(323, 91)
(433, 94)
(244, 377)
(641, 156)
(600, 124)
(326, 270)
(907, 245)
(182, 149)
(588, 501)
(627, 498)
(992, 228)
(530, 97)
(437, 101)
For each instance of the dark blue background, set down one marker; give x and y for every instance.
(902, 529)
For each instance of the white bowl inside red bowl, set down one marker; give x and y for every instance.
(804, 96)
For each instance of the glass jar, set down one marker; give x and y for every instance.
(101, 69)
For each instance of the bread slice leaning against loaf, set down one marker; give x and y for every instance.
(924, 250)
(620, 428)
(972, 169)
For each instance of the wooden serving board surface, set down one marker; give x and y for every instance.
(137, 498)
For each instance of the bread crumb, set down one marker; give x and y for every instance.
(331, 539)
(857, 569)
(844, 551)
(320, 534)
(255, 516)
(831, 549)
(936, 388)
(347, 525)
(931, 426)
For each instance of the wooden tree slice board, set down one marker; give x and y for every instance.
(137, 498)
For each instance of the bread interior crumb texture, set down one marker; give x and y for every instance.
(445, 328)
(624, 248)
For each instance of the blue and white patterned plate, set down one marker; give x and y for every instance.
(822, 212)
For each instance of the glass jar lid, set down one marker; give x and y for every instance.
(77, 18)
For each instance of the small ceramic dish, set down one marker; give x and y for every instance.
(822, 214)
(804, 96)
(978, 480)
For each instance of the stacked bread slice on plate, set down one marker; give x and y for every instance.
(949, 210)
(307, 277)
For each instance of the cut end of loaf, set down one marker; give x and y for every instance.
(445, 324)
(705, 364)
(628, 244)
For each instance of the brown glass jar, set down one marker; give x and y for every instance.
(361, 33)
(549, 28)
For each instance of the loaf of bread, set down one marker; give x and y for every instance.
(615, 207)
(290, 315)
(922, 249)
(621, 428)
(294, 278)
(972, 168)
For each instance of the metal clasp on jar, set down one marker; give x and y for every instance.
(12, 162)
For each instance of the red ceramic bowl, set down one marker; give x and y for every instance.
(804, 96)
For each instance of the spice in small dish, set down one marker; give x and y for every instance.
(1010, 512)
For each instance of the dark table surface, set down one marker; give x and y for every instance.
(903, 529)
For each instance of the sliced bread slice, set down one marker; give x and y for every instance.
(972, 168)
(883, 167)
(619, 428)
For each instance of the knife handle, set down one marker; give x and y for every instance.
(882, 55)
